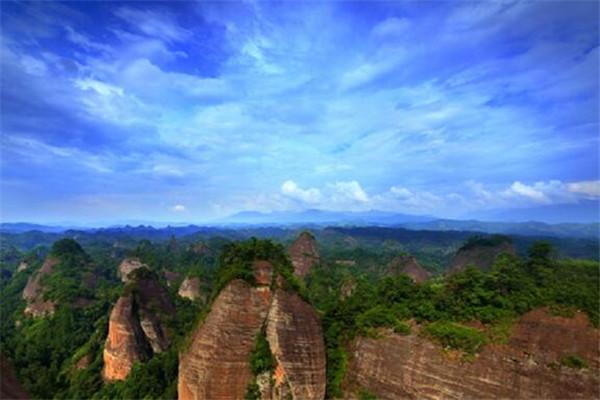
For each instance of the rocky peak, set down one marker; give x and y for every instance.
(407, 264)
(190, 288)
(23, 265)
(33, 293)
(481, 252)
(126, 342)
(137, 327)
(304, 253)
(128, 265)
(217, 363)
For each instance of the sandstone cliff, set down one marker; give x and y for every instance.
(137, 327)
(33, 292)
(129, 265)
(296, 340)
(397, 367)
(304, 254)
(407, 264)
(216, 364)
(480, 253)
(125, 343)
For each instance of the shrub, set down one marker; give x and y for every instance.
(261, 359)
(456, 336)
(573, 361)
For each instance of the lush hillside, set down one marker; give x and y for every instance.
(59, 352)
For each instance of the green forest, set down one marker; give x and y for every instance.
(60, 356)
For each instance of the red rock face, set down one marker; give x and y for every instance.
(412, 367)
(216, 364)
(304, 254)
(33, 292)
(136, 328)
(126, 342)
(482, 257)
(407, 264)
(296, 340)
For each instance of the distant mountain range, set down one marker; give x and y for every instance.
(322, 218)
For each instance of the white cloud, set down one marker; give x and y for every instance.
(391, 27)
(292, 190)
(178, 208)
(530, 192)
(351, 190)
(587, 188)
(154, 24)
(99, 87)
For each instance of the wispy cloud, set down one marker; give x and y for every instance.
(333, 105)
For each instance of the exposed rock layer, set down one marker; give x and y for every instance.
(296, 340)
(33, 293)
(397, 367)
(407, 264)
(304, 254)
(216, 364)
(136, 328)
(125, 343)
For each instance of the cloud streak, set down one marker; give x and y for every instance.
(337, 105)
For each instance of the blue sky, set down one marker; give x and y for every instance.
(187, 111)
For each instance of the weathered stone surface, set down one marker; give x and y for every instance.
(33, 291)
(10, 387)
(126, 342)
(296, 340)
(22, 266)
(128, 265)
(216, 366)
(397, 367)
(190, 288)
(304, 254)
(482, 257)
(407, 264)
(136, 328)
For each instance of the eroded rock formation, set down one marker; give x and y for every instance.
(33, 293)
(136, 328)
(129, 265)
(296, 340)
(304, 254)
(125, 343)
(407, 264)
(481, 256)
(190, 288)
(396, 367)
(216, 364)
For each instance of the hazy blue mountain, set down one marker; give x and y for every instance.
(586, 211)
(312, 216)
(531, 228)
